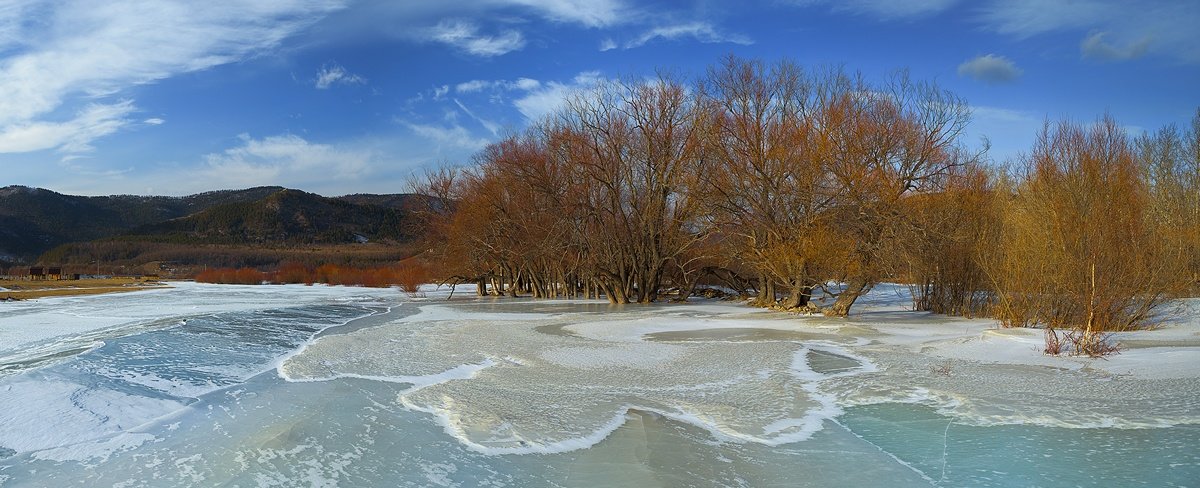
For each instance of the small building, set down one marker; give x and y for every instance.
(54, 273)
(37, 273)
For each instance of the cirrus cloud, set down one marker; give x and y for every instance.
(700, 31)
(81, 52)
(465, 36)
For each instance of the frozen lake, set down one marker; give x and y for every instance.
(217, 385)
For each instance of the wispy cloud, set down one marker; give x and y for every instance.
(1129, 29)
(591, 13)
(492, 127)
(452, 137)
(333, 74)
(480, 85)
(549, 97)
(337, 167)
(700, 31)
(472, 86)
(464, 35)
(990, 68)
(534, 99)
(83, 51)
(884, 9)
(1094, 46)
(70, 137)
(1116, 30)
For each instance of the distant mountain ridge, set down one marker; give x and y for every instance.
(35, 220)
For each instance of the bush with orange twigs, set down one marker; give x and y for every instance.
(408, 276)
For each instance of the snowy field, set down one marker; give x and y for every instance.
(333, 386)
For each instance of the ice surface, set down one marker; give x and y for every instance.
(60, 401)
(554, 392)
(426, 392)
(44, 413)
(565, 378)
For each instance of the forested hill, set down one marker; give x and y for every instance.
(286, 217)
(35, 220)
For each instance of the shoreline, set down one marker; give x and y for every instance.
(19, 290)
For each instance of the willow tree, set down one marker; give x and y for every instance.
(884, 144)
(637, 146)
(768, 187)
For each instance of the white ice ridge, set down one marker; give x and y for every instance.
(502, 383)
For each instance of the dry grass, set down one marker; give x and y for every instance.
(26, 289)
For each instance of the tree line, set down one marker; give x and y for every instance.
(805, 188)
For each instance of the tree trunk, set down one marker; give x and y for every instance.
(799, 296)
(841, 307)
(766, 291)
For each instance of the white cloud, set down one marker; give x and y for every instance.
(551, 96)
(700, 31)
(368, 164)
(454, 138)
(465, 36)
(284, 159)
(79, 50)
(990, 68)
(72, 136)
(154, 121)
(472, 86)
(526, 84)
(608, 45)
(591, 13)
(1094, 46)
(330, 75)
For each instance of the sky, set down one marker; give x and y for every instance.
(341, 96)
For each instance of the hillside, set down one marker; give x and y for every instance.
(72, 229)
(283, 217)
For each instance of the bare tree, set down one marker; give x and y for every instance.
(1080, 249)
(638, 150)
(887, 145)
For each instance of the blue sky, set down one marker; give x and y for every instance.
(340, 96)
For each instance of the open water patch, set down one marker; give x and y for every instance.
(956, 454)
